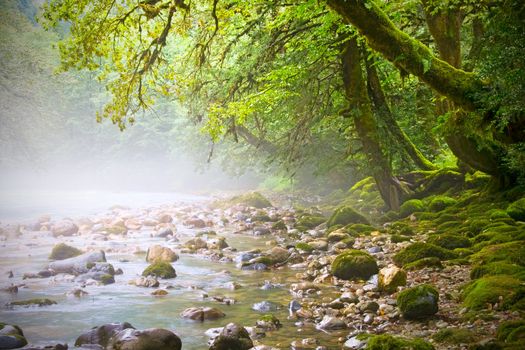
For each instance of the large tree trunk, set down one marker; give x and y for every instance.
(389, 187)
(382, 108)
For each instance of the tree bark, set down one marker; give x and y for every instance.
(382, 108)
(389, 187)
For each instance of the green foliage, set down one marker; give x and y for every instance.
(411, 206)
(420, 250)
(389, 342)
(418, 302)
(160, 269)
(346, 215)
(354, 264)
(63, 251)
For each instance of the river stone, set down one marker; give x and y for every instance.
(261, 231)
(232, 337)
(158, 253)
(254, 267)
(165, 218)
(418, 302)
(319, 244)
(278, 254)
(148, 282)
(133, 224)
(331, 323)
(217, 243)
(148, 339)
(62, 347)
(164, 232)
(11, 337)
(202, 313)
(265, 306)
(64, 228)
(78, 264)
(354, 264)
(354, 344)
(102, 335)
(196, 243)
(391, 277)
(195, 223)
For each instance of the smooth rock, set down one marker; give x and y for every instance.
(158, 253)
(202, 313)
(148, 339)
(232, 337)
(101, 335)
(78, 264)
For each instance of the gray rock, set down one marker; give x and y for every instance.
(265, 306)
(232, 337)
(101, 335)
(11, 337)
(255, 267)
(202, 313)
(148, 339)
(354, 344)
(164, 232)
(79, 264)
(331, 323)
(64, 228)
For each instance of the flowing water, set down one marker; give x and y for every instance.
(121, 301)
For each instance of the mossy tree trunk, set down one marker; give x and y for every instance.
(383, 111)
(390, 188)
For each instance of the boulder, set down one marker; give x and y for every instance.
(354, 264)
(391, 277)
(346, 215)
(418, 302)
(165, 218)
(319, 244)
(11, 337)
(64, 228)
(63, 251)
(278, 254)
(266, 306)
(164, 232)
(232, 337)
(196, 243)
(148, 339)
(217, 243)
(159, 253)
(79, 264)
(202, 313)
(148, 282)
(331, 323)
(102, 335)
(160, 269)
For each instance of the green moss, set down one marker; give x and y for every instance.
(360, 184)
(107, 279)
(266, 260)
(334, 228)
(349, 241)
(388, 342)
(516, 210)
(505, 329)
(395, 238)
(310, 221)
(477, 226)
(425, 262)
(446, 217)
(449, 241)
(261, 216)
(418, 302)
(506, 291)
(279, 225)
(498, 214)
(495, 268)
(160, 269)
(354, 264)
(63, 251)
(454, 336)
(420, 250)
(337, 236)
(439, 203)
(426, 216)
(411, 206)
(254, 199)
(360, 228)
(346, 215)
(304, 247)
(513, 252)
(36, 301)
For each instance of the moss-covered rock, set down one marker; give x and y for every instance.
(305, 247)
(63, 251)
(279, 226)
(496, 214)
(346, 215)
(411, 206)
(511, 331)
(253, 199)
(337, 236)
(36, 301)
(354, 264)
(476, 226)
(504, 291)
(449, 241)
(454, 336)
(388, 342)
(497, 268)
(516, 210)
(160, 269)
(11, 337)
(418, 302)
(310, 221)
(420, 250)
(439, 203)
(513, 252)
(360, 228)
(395, 238)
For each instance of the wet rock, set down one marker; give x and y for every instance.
(303, 287)
(218, 243)
(164, 232)
(78, 264)
(77, 292)
(148, 339)
(159, 292)
(158, 253)
(13, 289)
(101, 277)
(319, 245)
(265, 306)
(348, 297)
(195, 223)
(331, 323)
(161, 270)
(63, 251)
(33, 302)
(294, 306)
(232, 337)
(278, 254)
(64, 228)
(11, 337)
(268, 323)
(269, 285)
(261, 231)
(245, 256)
(254, 267)
(102, 335)
(202, 313)
(304, 344)
(233, 285)
(352, 264)
(354, 344)
(418, 302)
(389, 278)
(196, 243)
(148, 282)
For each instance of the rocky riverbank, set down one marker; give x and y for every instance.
(434, 275)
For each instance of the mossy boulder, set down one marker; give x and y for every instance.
(449, 241)
(309, 221)
(420, 250)
(439, 203)
(253, 199)
(160, 269)
(279, 226)
(497, 268)
(496, 214)
(516, 210)
(11, 337)
(511, 331)
(504, 291)
(346, 215)
(305, 247)
(388, 342)
(411, 206)
(31, 302)
(360, 228)
(418, 302)
(454, 336)
(513, 252)
(63, 251)
(399, 238)
(354, 264)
